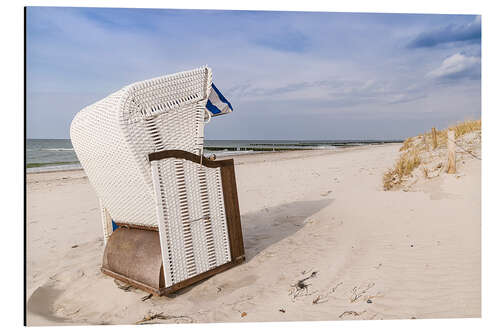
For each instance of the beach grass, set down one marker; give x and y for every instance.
(406, 144)
(466, 127)
(413, 148)
(409, 160)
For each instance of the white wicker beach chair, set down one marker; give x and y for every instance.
(177, 212)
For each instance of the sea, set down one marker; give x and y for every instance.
(58, 154)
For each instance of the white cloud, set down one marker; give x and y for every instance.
(458, 66)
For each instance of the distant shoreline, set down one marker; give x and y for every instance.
(238, 155)
(220, 147)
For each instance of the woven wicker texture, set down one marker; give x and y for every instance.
(113, 138)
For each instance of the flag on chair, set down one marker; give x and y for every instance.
(217, 104)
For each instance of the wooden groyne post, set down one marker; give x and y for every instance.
(451, 152)
(434, 138)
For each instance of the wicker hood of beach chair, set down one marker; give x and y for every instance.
(175, 213)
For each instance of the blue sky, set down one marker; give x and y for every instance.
(288, 75)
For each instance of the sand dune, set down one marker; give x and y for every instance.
(317, 216)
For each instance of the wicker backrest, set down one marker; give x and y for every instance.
(113, 137)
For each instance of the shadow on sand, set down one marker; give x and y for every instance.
(41, 303)
(267, 226)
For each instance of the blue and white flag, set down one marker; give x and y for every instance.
(217, 104)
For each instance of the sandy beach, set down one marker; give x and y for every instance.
(318, 216)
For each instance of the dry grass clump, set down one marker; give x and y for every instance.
(460, 129)
(466, 127)
(413, 150)
(389, 180)
(406, 144)
(442, 138)
(407, 162)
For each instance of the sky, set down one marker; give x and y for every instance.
(288, 75)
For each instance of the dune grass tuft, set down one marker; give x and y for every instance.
(406, 144)
(466, 127)
(460, 129)
(406, 163)
(413, 147)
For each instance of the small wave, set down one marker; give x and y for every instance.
(46, 164)
(53, 167)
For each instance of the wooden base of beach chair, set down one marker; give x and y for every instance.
(133, 256)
